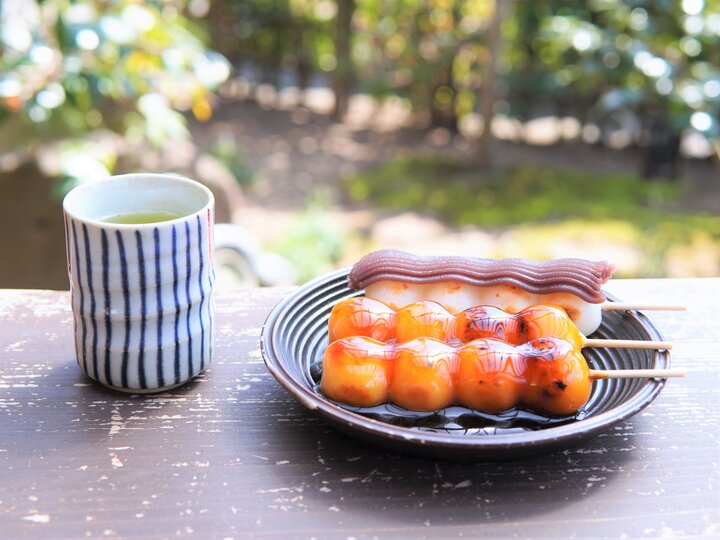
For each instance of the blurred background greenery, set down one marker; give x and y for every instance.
(328, 128)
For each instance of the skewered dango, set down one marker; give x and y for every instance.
(546, 375)
(398, 279)
(363, 316)
(427, 335)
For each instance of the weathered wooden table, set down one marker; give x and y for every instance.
(231, 455)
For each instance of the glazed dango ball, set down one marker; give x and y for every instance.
(557, 378)
(357, 371)
(488, 322)
(490, 376)
(424, 319)
(362, 316)
(423, 376)
(547, 321)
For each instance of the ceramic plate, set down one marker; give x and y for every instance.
(295, 335)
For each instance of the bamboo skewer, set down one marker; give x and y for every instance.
(627, 344)
(627, 306)
(635, 373)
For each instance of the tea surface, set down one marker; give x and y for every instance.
(138, 218)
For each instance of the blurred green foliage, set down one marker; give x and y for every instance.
(226, 149)
(278, 34)
(657, 58)
(592, 60)
(462, 195)
(72, 67)
(313, 244)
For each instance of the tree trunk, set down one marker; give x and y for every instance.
(343, 75)
(446, 116)
(303, 62)
(487, 94)
(661, 154)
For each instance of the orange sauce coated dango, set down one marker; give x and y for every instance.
(557, 380)
(487, 322)
(546, 375)
(362, 316)
(423, 377)
(357, 371)
(424, 319)
(490, 376)
(547, 321)
(517, 328)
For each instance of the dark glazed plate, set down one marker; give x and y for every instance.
(295, 336)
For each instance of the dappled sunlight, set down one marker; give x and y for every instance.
(390, 114)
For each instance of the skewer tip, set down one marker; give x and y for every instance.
(628, 344)
(628, 306)
(636, 373)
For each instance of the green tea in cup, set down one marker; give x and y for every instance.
(140, 217)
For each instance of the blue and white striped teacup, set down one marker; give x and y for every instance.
(139, 251)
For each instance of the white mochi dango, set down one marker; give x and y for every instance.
(457, 296)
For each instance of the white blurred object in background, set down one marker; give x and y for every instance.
(240, 261)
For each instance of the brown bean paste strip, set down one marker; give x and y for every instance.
(580, 277)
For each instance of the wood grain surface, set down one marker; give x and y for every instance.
(231, 455)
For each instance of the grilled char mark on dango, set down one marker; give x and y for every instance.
(580, 277)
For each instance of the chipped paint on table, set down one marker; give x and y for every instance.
(231, 455)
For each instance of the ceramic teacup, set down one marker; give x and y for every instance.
(139, 252)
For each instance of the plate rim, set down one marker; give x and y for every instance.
(407, 435)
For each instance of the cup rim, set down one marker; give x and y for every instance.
(78, 190)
